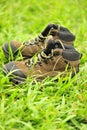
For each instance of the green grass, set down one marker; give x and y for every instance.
(47, 105)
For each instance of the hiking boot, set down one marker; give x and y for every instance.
(55, 59)
(29, 48)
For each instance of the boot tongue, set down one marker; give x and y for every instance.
(50, 45)
(45, 32)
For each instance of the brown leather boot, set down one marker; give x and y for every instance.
(29, 48)
(51, 61)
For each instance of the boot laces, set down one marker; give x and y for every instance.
(62, 45)
(42, 57)
(38, 39)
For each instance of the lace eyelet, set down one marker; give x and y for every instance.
(55, 53)
(52, 58)
(40, 64)
(32, 42)
(27, 64)
(26, 43)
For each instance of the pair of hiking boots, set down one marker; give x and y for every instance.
(56, 55)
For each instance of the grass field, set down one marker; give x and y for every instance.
(47, 105)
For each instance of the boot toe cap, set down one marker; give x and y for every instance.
(16, 74)
(7, 47)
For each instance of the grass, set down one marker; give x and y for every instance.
(47, 105)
